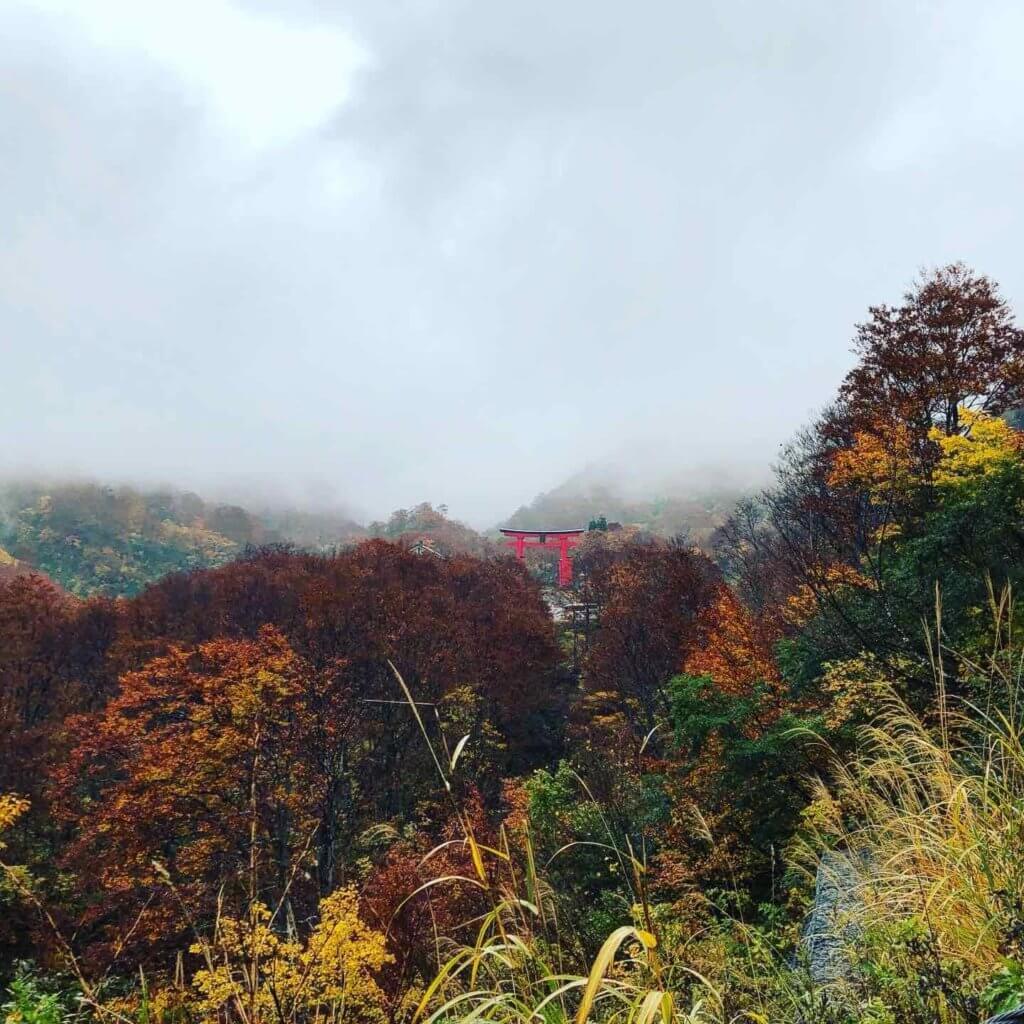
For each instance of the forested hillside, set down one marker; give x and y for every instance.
(693, 510)
(310, 529)
(432, 526)
(780, 780)
(11, 567)
(96, 539)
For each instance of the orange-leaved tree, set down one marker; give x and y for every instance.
(730, 778)
(194, 788)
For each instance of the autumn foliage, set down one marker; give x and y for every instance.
(735, 649)
(244, 723)
(649, 596)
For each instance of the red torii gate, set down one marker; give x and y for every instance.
(561, 540)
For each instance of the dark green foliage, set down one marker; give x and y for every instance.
(971, 536)
(760, 755)
(37, 999)
(585, 840)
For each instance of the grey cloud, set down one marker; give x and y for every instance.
(533, 237)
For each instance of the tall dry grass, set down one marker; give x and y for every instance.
(929, 813)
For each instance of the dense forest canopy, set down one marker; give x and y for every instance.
(400, 780)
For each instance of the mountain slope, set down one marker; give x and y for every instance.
(94, 539)
(431, 526)
(11, 567)
(694, 509)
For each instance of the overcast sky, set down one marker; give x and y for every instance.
(380, 251)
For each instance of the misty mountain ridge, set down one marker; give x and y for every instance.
(692, 503)
(95, 538)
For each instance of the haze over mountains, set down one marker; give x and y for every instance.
(94, 537)
(461, 249)
(690, 501)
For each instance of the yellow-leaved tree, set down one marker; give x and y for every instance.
(254, 975)
(987, 445)
(881, 461)
(11, 808)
